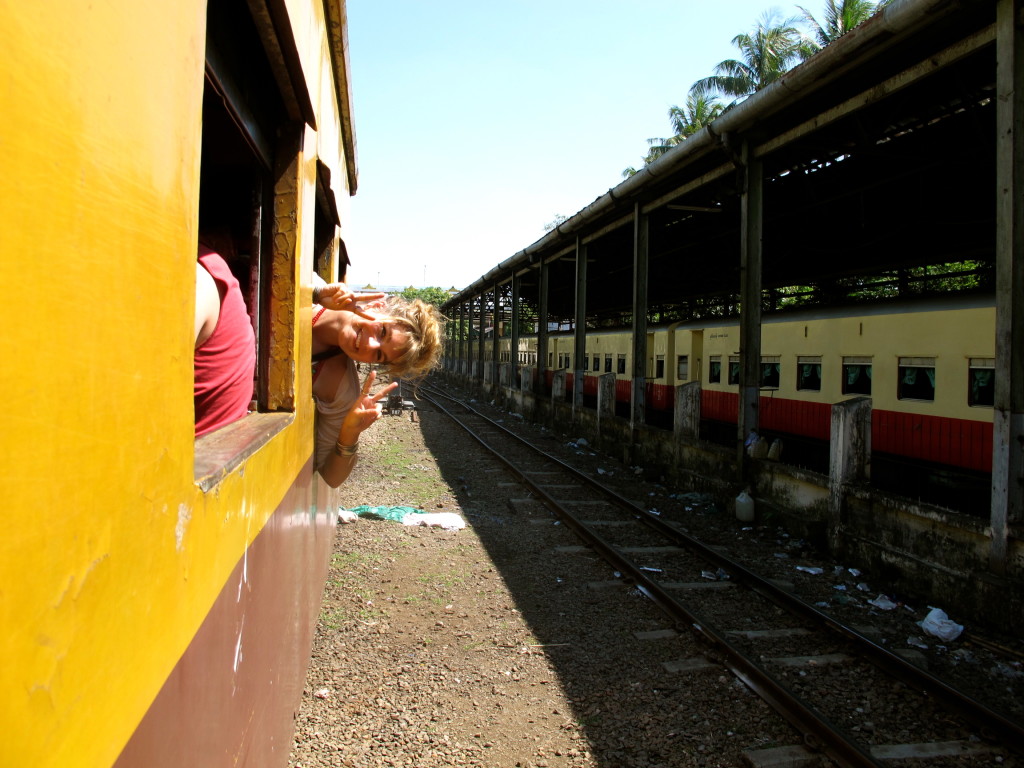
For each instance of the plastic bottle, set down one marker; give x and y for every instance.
(745, 507)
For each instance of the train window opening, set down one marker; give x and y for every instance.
(586, 363)
(683, 367)
(981, 375)
(808, 373)
(597, 364)
(734, 369)
(551, 359)
(771, 367)
(856, 375)
(621, 364)
(243, 114)
(715, 369)
(659, 367)
(329, 253)
(916, 379)
(607, 363)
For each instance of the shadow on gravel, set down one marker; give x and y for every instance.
(633, 709)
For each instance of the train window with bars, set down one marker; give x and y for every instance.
(856, 375)
(981, 376)
(597, 364)
(607, 363)
(659, 367)
(771, 367)
(916, 379)
(734, 369)
(808, 373)
(621, 364)
(683, 367)
(715, 369)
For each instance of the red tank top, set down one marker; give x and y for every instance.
(226, 362)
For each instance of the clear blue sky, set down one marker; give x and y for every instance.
(478, 122)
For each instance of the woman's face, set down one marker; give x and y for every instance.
(378, 341)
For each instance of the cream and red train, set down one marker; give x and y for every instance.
(928, 367)
(158, 593)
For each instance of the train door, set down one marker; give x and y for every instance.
(696, 355)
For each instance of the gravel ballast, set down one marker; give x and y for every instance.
(497, 645)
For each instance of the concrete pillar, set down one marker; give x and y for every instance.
(526, 383)
(478, 371)
(495, 335)
(686, 417)
(580, 336)
(514, 332)
(542, 329)
(641, 240)
(1008, 407)
(558, 386)
(751, 208)
(849, 459)
(605, 396)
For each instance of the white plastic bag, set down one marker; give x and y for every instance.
(938, 624)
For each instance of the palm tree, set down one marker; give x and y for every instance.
(771, 48)
(697, 112)
(840, 17)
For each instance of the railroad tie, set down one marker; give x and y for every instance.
(795, 756)
(928, 750)
(812, 661)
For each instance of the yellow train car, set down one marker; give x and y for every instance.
(158, 592)
(928, 367)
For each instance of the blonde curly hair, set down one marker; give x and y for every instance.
(424, 325)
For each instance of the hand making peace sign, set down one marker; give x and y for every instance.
(367, 409)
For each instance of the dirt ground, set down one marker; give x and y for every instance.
(485, 646)
(495, 645)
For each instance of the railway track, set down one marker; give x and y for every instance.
(850, 698)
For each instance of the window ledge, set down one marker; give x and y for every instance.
(221, 452)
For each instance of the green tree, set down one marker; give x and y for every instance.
(559, 218)
(698, 111)
(771, 48)
(839, 18)
(435, 296)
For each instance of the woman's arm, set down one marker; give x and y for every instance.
(207, 305)
(366, 410)
(339, 296)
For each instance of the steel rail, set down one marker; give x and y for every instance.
(817, 732)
